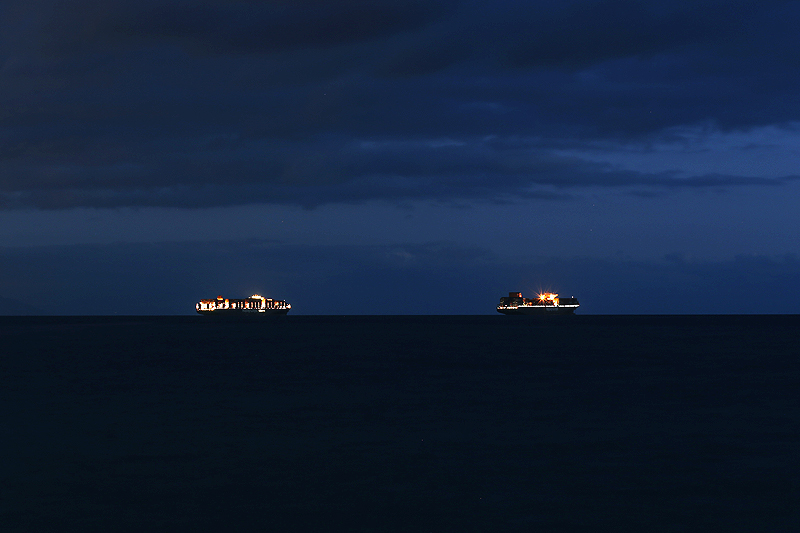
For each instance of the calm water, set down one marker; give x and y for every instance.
(486, 423)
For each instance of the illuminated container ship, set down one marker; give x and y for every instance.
(254, 306)
(544, 304)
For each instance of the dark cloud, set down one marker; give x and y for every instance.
(216, 103)
(211, 27)
(586, 33)
(314, 174)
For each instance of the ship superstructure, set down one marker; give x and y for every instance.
(255, 304)
(547, 303)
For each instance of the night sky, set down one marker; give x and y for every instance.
(399, 156)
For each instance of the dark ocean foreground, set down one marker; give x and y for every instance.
(481, 423)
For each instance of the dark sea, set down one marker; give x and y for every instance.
(400, 423)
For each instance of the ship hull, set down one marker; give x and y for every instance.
(246, 313)
(537, 310)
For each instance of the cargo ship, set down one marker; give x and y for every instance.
(547, 303)
(254, 306)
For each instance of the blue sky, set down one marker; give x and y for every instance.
(399, 156)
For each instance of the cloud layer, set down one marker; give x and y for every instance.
(196, 104)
